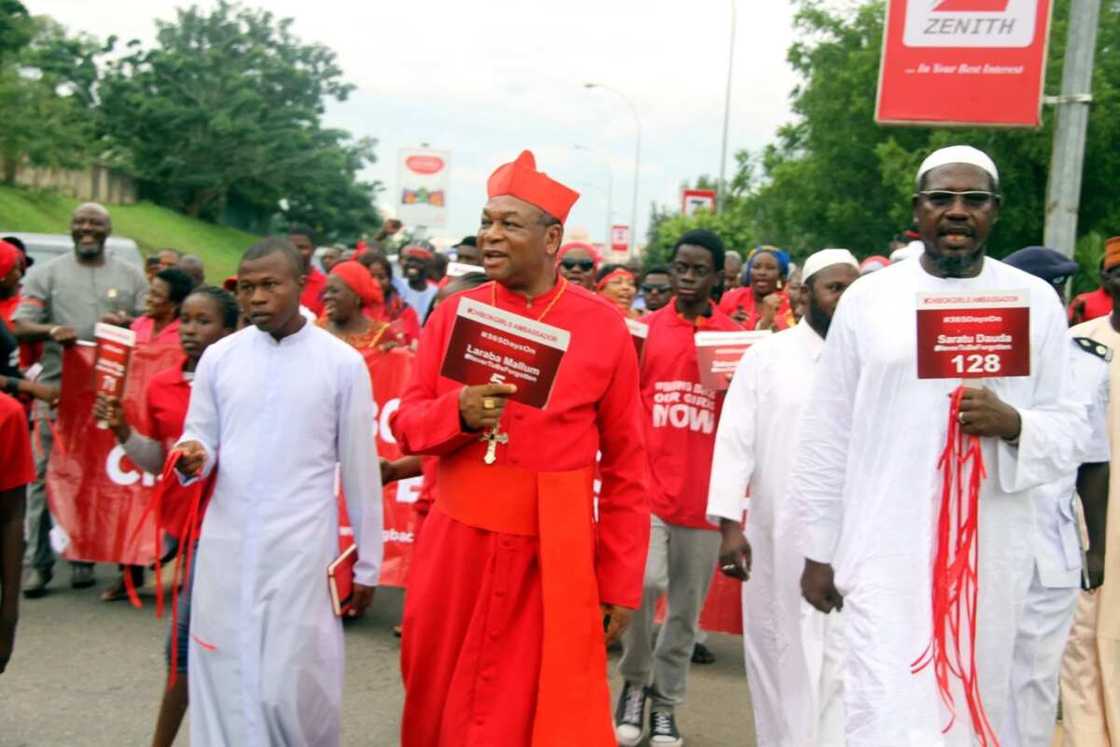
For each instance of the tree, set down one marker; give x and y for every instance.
(835, 178)
(41, 90)
(230, 103)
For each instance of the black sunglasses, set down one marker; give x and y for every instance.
(972, 198)
(587, 265)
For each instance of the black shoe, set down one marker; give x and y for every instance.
(35, 584)
(663, 730)
(629, 715)
(81, 576)
(701, 654)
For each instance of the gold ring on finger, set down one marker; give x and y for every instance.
(488, 403)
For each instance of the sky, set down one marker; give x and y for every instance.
(484, 79)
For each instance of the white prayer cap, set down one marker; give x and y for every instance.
(826, 258)
(913, 249)
(959, 154)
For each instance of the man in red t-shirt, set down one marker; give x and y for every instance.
(680, 419)
(1098, 303)
(17, 469)
(314, 281)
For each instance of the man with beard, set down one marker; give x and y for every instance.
(792, 651)
(61, 302)
(315, 282)
(285, 407)
(414, 287)
(873, 504)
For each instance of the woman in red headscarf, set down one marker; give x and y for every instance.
(402, 318)
(352, 303)
(578, 262)
(618, 285)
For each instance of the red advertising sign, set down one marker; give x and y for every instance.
(490, 345)
(718, 354)
(963, 62)
(974, 336)
(620, 239)
(693, 200)
(114, 345)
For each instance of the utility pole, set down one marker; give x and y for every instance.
(1063, 192)
(721, 194)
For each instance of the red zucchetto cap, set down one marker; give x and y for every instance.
(521, 179)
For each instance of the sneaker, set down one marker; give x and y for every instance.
(663, 730)
(35, 583)
(81, 576)
(628, 716)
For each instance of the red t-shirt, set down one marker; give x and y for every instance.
(1097, 304)
(313, 287)
(29, 352)
(744, 298)
(144, 328)
(166, 401)
(17, 468)
(680, 416)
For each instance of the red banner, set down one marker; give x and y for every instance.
(718, 354)
(963, 62)
(96, 494)
(390, 371)
(974, 336)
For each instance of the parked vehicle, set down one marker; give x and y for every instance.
(43, 247)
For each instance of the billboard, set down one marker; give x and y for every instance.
(693, 200)
(422, 181)
(620, 239)
(963, 62)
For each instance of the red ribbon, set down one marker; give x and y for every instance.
(955, 582)
(188, 537)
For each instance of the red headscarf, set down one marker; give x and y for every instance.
(9, 258)
(358, 279)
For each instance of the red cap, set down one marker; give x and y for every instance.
(230, 283)
(416, 251)
(521, 179)
(9, 258)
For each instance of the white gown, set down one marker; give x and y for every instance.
(266, 650)
(866, 488)
(793, 652)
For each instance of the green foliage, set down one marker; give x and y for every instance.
(150, 226)
(835, 178)
(228, 103)
(46, 86)
(15, 28)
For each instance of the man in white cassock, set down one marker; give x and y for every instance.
(278, 407)
(793, 652)
(866, 486)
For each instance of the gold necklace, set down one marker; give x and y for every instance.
(563, 287)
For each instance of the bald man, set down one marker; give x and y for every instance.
(193, 266)
(62, 301)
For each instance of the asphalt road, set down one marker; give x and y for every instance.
(89, 674)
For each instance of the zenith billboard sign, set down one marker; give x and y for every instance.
(963, 62)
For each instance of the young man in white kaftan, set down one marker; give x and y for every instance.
(793, 652)
(277, 407)
(866, 485)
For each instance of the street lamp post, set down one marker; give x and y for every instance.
(721, 196)
(610, 192)
(637, 160)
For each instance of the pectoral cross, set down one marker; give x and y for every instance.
(492, 438)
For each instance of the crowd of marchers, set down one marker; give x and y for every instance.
(925, 559)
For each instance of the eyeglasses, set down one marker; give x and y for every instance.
(647, 288)
(587, 265)
(971, 199)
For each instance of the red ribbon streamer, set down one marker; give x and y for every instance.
(188, 537)
(955, 582)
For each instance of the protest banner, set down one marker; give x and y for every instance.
(718, 354)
